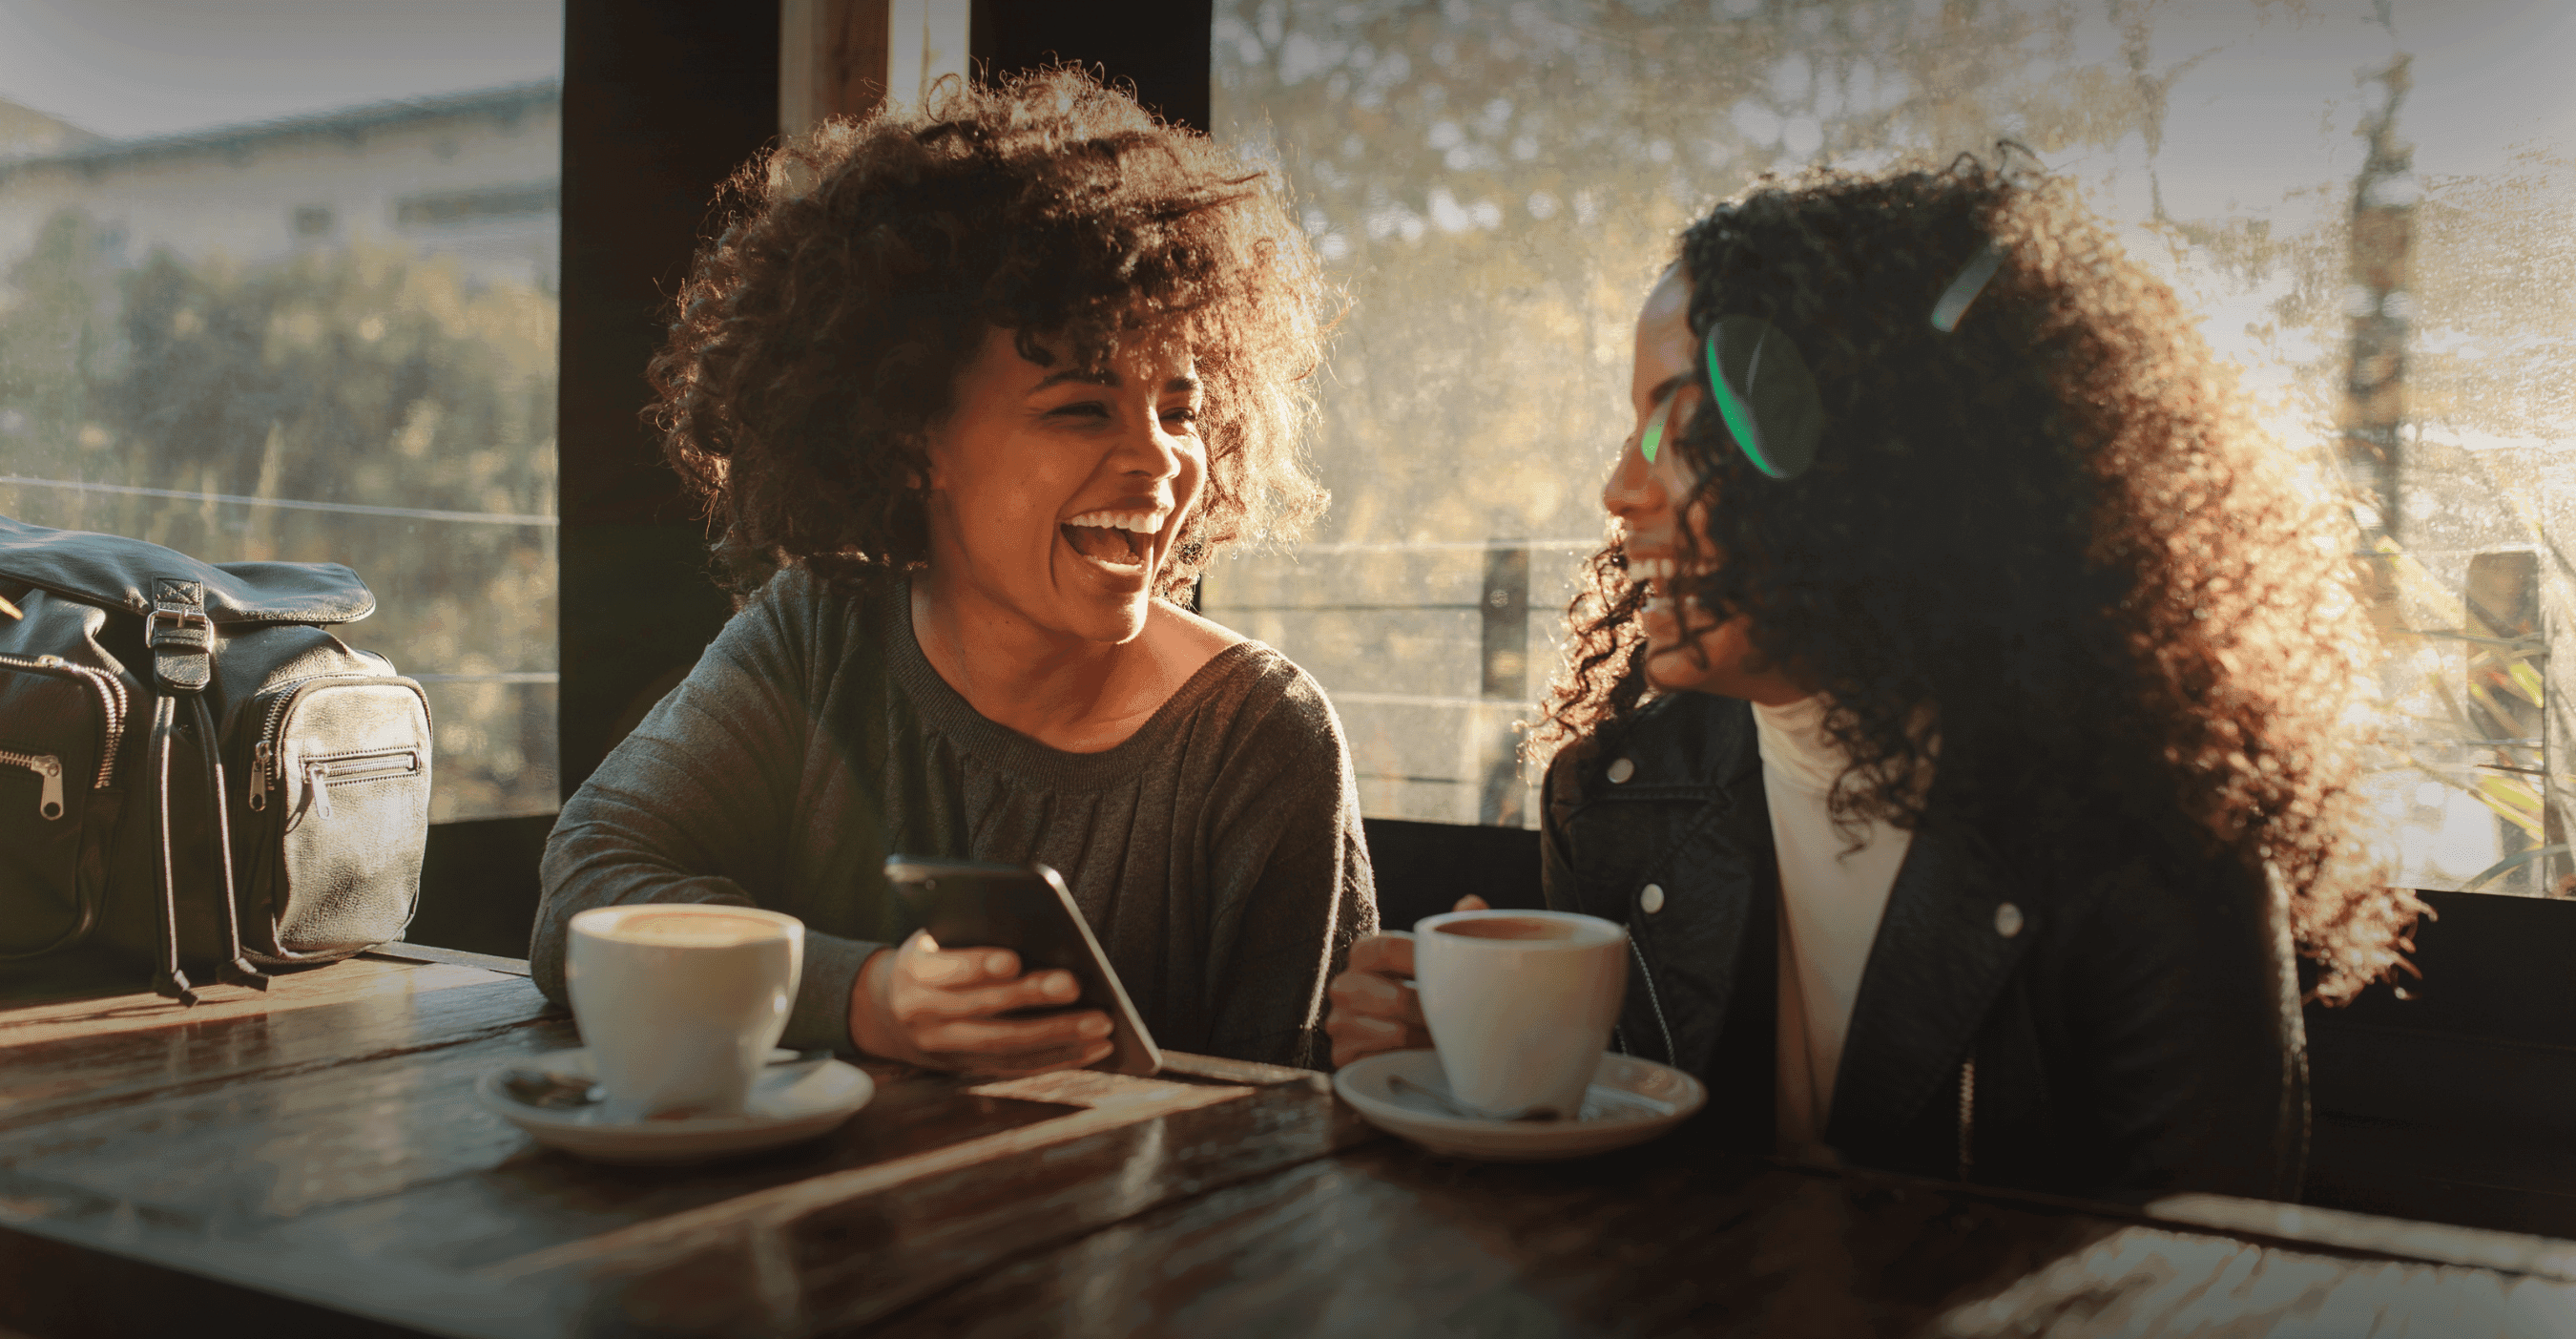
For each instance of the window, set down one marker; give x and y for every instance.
(371, 383)
(2366, 202)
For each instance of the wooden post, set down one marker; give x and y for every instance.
(832, 59)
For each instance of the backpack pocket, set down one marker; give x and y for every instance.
(61, 728)
(332, 815)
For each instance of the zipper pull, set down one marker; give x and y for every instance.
(317, 791)
(262, 754)
(50, 768)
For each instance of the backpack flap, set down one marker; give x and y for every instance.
(114, 572)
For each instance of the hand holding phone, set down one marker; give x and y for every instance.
(951, 1009)
(1025, 914)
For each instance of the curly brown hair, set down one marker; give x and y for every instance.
(821, 335)
(2055, 529)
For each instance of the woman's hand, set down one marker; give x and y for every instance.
(1373, 1005)
(939, 1009)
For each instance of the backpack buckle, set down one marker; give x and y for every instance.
(182, 637)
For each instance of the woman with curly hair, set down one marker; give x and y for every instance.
(1955, 719)
(973, 393)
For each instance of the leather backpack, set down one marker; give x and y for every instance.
(195, 771)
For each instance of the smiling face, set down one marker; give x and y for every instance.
(1056, 494)
(1686, 647)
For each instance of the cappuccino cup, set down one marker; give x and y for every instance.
(1520, 1005)
(680, 1003)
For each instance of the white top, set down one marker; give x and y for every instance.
(1831, 899)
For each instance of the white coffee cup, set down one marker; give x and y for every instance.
(680, 1003)
(1520, 1004)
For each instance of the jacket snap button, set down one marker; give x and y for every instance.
(1621, 769)
(2007, 920)
(1651, 897)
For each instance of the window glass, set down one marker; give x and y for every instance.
(278, 281)
(2366, 201)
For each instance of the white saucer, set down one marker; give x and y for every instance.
(789, 1103)
(1630, 1101)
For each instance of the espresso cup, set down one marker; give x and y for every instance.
(680, 1003)
(1520, 1004)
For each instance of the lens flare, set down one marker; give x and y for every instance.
(1654, 438)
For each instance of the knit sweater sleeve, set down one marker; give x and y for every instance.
(696, 805)
(1292, 886)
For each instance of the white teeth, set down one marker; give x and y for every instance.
(1142, 522)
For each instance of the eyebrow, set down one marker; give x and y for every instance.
(1176, 386)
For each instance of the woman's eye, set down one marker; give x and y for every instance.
(1080, 409)
(1181, 414)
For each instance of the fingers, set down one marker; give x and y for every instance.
(1033, 1062)
(1471, 902)
(1373, 1011)
(919, 1005)
(1390, 955)
(1358, 1035)
(1375, 995)
(1017, 1045)
(947, 1003)
(948, 969)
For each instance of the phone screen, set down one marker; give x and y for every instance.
(1026, 909)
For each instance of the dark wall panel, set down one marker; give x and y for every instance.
(1160, 47)
(478, 885)
(1424, 868)
(663, 99)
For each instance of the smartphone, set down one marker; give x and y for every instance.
(1026, 909)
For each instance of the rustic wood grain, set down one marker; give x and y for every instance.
(327, 1148)
(1387, 1241)
(314, 1161)
(1099, 1102)
(848, 1264)
(64, 1059)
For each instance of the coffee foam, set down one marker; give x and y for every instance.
(1527, 929)
(695, 929)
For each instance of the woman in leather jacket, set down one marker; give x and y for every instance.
(1953, 719)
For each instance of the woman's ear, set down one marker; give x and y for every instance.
(926, 474)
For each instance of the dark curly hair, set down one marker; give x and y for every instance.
(821, 335)
(2054, 531)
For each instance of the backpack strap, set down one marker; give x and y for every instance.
(182, 639)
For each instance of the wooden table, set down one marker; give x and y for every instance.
(311, 1161)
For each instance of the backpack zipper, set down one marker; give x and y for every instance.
(267, 765)
(320, 774)
(111, 704)
(49, 770)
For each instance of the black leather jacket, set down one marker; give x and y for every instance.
(2086, 1025)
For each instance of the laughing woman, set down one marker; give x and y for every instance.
(1957, 721)
(973, 393)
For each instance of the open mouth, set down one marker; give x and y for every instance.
(1122, 542)
(1654, 576)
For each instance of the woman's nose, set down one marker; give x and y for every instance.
(1632, 490)
(1154, 452)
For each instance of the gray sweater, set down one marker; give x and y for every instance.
(1216, 853)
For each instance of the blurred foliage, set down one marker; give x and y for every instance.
(1498, 183)
(362, 376)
